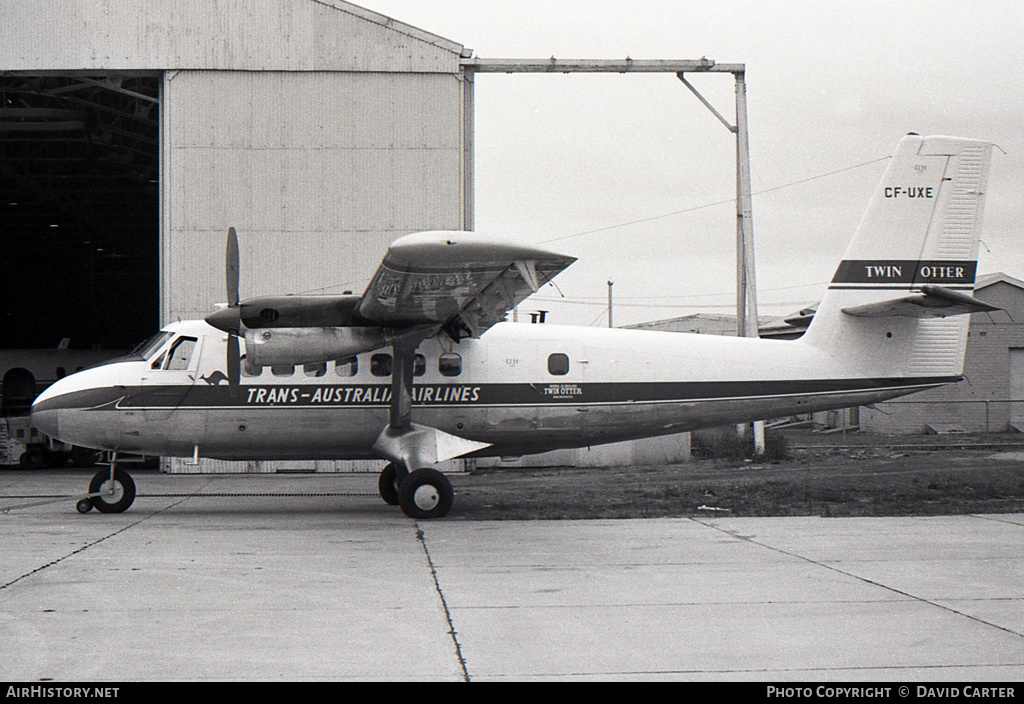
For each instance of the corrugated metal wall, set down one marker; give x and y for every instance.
(982, 402)
(318, 172)
(245, 35)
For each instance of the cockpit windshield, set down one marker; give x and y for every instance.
(148, 348)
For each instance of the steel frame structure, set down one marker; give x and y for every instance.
(746, 285)
(746, 288)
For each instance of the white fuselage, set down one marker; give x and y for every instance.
(519, 388)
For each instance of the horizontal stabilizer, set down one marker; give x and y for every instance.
(932, 302)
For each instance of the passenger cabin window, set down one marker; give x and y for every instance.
(346, 367)
(419, 365)
(558, 364)
(380, 365)
(449, 364)
(181, 354)
(283, 370)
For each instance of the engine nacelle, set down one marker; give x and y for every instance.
(270, 347)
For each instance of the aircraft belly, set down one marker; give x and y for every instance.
(291, 433)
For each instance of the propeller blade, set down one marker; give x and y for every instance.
(229, 319)
(234, 364)
(232, 268)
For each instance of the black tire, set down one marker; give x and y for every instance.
(124, 491)
(426, 493)
(32, 458)
(387, 485)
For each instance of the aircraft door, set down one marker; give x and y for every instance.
(170, 378)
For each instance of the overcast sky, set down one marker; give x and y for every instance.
(832, 86)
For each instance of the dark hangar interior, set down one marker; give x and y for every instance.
(79, 210)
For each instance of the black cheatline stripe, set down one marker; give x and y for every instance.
(481, 395)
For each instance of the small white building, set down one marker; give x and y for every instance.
(990, 399)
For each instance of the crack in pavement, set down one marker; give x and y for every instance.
(85, 547)
(444, 603)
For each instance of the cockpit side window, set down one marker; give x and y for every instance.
(148, 348)
(181, 353)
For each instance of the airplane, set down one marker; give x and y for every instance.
(421, 368)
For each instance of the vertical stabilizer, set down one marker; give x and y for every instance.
(920, 230)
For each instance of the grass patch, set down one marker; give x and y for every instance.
(866, 481)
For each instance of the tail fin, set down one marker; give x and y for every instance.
(918, 236)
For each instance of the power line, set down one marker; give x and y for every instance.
(595, 300)
(712, 205)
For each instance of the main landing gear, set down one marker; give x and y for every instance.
(110, 491)
(422, 493)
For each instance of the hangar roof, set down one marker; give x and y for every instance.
(243, 35)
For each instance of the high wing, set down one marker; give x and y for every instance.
(454, 281)
(460, 281)
(932, 302)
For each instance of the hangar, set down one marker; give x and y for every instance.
(135, 132)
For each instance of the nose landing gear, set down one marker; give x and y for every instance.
(110, 491)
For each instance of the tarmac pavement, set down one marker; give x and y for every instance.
(313, 577)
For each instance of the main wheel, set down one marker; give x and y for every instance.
(425, 493)
(115, 495)
(387, 485)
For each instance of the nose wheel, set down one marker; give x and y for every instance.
(110, 491)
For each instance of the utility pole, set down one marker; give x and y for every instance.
(610, 284)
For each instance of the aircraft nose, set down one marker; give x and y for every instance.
(46, 412)
(47, 422)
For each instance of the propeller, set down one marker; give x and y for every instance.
(229, 319)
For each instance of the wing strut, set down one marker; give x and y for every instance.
(408, 445)
(400, 415)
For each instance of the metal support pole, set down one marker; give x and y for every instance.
(746, 283)
(746, 296)
(610, 324)
(468, 130)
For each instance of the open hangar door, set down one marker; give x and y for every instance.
(79, 210)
